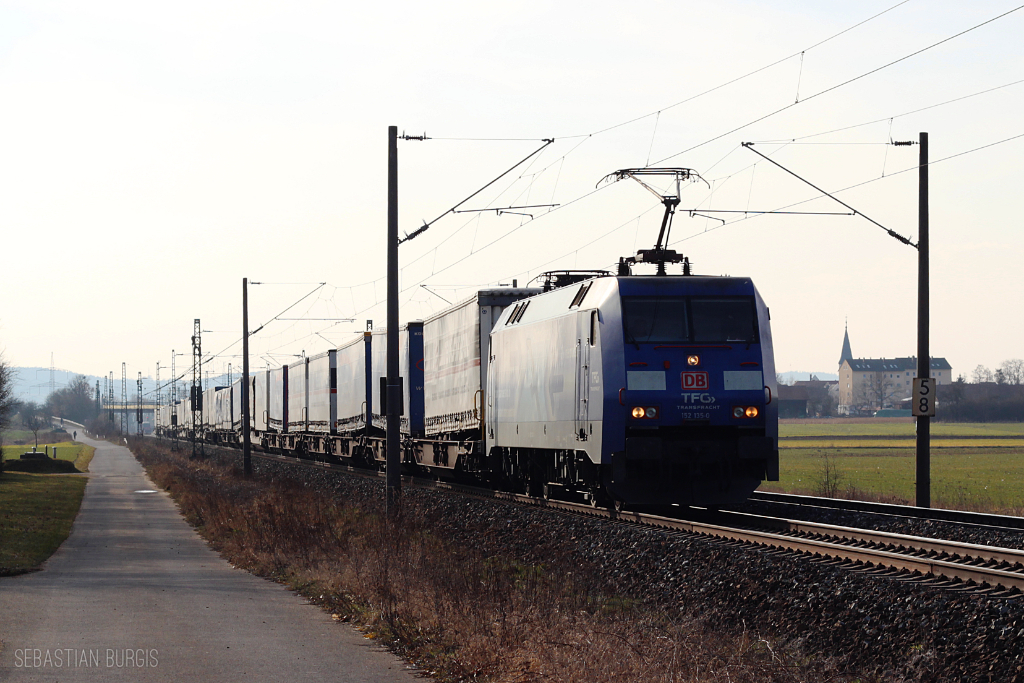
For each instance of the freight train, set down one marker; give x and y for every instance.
(614, 389)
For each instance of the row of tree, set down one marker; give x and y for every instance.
(962, 401)
(76, 401)
(1009, 372)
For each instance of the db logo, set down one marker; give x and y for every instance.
(695, 380)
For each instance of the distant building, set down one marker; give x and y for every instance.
(870, 384)
(808, 398)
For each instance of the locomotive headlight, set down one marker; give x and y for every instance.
(745, 411)
(693, 360)
(644, 412)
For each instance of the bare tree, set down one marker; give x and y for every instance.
(7, 402)
(1013, 371)
(6, 393)
(34, 418)
(877, 391)
(829, 476)
(819, 401)
(981, 374)
(73, 402)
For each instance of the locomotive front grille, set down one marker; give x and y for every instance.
(701, 465)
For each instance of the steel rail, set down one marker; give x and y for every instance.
(979, 519)
(909, 542)
(947, 568)
(871, 557)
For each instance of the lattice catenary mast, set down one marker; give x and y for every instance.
(198, 450)
(138, 408)
(124, 398)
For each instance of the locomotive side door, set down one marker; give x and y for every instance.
(583, 344)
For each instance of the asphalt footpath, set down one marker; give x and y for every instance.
(135, 594)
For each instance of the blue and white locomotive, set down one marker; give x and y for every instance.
(641, 389)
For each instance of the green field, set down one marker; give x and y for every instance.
(36, 514)
(839, 427)
(72, 451)
(939, 442)
(973, 466)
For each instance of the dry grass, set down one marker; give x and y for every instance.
(458, 615)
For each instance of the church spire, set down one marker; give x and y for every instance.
(847, 354)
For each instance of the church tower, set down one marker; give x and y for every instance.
(847, 354)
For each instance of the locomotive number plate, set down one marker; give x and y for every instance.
(695, 380)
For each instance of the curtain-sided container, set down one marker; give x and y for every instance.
(322, 392)
(260, 396)
(410, 369)
(298, 416)
(222, 409)
(236, 406)
(209, 409)
(277, 402)
(184, 412)
(165, 417)
(455, 351)
(353, 384)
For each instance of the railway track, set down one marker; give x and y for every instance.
(977, 519)
(945, 564)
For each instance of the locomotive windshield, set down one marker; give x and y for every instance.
(683, 319)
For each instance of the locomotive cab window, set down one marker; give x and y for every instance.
(655, 319)
(667, 319)
(724, 320)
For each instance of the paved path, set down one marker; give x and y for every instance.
(135, 594)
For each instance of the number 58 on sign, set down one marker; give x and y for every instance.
(924, 397)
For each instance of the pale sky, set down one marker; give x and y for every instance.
(153, 155)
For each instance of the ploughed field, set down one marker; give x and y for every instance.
(977, 467)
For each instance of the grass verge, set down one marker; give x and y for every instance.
(36, 514)
(457, 613)
(77, 455)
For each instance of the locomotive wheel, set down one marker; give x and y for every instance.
(600, 498)
(535, 488)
